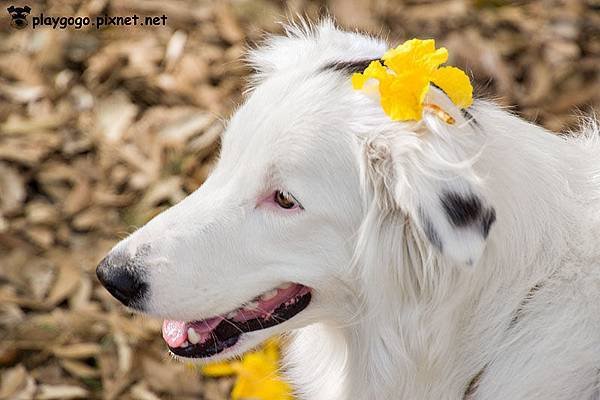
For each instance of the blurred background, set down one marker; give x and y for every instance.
(102, 129)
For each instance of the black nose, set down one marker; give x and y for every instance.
(122, 280)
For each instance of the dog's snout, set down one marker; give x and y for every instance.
(119, 277)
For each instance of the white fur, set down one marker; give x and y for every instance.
(392, 316)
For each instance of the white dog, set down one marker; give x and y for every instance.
(408, 260)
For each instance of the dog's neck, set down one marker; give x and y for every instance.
(434, 346)
(428, 349)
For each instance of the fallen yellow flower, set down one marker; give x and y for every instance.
(405, 76)
(257, 374)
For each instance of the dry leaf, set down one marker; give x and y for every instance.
(140, 391)
(61, 392)
(179, 132)
(12, 189)
(114, 115)
(17, 384)
(79, 369)
(66, 281)
(77, 351)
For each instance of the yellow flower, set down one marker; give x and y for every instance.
(257, 375)
(405, 76)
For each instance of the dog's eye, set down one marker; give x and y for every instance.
(285, 200)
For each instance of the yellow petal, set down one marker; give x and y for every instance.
(358, 80)
(257, 374)
(258, 377)
(263, 389)
(402, 97)
(414, 47)
(456, 84)
(437, 58)
(375, 70)
(415, 54)
(271, 349)
(220, 369)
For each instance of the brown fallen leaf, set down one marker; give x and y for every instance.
(41, 212)
(178, 133)
(41, 236)
(114, 115)
(140, 391)
(79, 369)
(14, 126)
(66, 282)
(170, 377)
(77, 350)
(79, 197)
(60, 392)
(174, 49)
(12, 189)
(227, 23)
(17, 384)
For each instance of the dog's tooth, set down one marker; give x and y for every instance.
(231, 315)
(193, 336)
(185, 344)
(269, 295)
(252, 305)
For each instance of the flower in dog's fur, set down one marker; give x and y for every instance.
(405, 76)
(257, 374)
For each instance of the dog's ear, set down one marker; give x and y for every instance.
(423, 175)
(455, 219)
(11, 9)
(27, 9)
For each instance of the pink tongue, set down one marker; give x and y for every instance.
(174, 332)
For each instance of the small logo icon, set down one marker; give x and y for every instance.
(19, 16)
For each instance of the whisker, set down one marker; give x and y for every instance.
(232, 323)
(257, 308)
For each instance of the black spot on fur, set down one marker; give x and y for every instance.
(348, 67)
(461, 210)
(469, 117)
(473, 385)
(467, 210)
(430, 231)
(520, 310)
(489, 217)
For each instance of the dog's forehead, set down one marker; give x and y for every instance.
(291, 114)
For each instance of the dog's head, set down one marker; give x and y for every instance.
(19, 16)
(311, 174)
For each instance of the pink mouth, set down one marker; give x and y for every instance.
(205, 338)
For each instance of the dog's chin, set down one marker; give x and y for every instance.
(227, 335)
